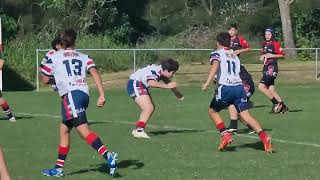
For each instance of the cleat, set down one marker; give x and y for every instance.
(140, 134)
(56, 172)
(225, 140)
(12, 119)
(276, 108)
(267, 145)
(232, 130)
(284, 109)
(112, 162)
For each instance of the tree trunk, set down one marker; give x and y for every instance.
(284, 6)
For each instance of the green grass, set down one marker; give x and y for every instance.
(184, 141)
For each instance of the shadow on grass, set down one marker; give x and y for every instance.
(102, 168)
(97, 122)
(17, 118)
(164, 132)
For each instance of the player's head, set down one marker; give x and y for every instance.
(68, 38)
(169, 67)
(233, 30)
(269, 33)
(56, 43)
(223, 39)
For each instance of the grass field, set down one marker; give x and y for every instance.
(184, 141)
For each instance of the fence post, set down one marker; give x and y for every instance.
(317, 74)
(37, 71)
(134, 60)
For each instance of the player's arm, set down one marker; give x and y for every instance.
(97, 80)
(175, 90)
(245, 46)
(156, 84)
(213, 70)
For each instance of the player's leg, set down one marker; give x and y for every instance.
(242, 107)
(95, 142)
(218, 103)
(63, 150)
(254, 124)
(6, 108)
(147, 108)
(233, 126)
(281, 106)
(4, 173)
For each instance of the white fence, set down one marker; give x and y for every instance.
(134, 54)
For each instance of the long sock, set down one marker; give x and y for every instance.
(62, 155)
(95, 142)
(221, 128)
(263, 136)
(140, 126)
(6, 109)
(274, 101)
(233, 124)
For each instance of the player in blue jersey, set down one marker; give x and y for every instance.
(230, 91)
(68, 68)
(138, 89)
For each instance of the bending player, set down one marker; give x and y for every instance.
(230, 91)
(69, 67)
(3, 103)
(141, 81)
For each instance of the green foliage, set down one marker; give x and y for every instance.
(9, 27)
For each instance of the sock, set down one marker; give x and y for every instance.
(233, 124)
(95, 142)
(140, 126)
(222, 129)
(274, 101)
(6, 109)
(62, 155)
(263, 136)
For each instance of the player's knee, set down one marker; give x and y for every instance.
(211, 111)
(150, 109)
(262, 87)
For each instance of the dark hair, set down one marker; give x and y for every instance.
(68, 38)
(55, 42)
(233, 26)
(169, 65)
(224, 39)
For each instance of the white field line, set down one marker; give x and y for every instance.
(182, 128)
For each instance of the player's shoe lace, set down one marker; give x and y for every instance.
(268, 145)
(225, 140)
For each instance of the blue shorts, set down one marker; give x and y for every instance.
(136, 88)
(227, 95)
(73, 108)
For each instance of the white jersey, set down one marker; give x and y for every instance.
(149, 72)
(229, 71)
(69, 69)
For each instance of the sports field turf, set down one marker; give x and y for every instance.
(184, 141)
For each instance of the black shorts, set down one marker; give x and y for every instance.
(270, 72)
(75, 122)
(247, 81)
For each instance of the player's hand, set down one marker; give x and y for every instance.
(101, 101)
(171, 85)
(236, 52)
(262, 57)
(205, 86)
(268, 55)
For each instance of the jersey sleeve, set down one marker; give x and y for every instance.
(153, 75)
(277, 48)
(244, 44)
(46, 67)
(214, 57)
(90, 64)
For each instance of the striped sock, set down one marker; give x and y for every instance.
(6, 109)
(222, 129)
(95, 142)
(62, 155)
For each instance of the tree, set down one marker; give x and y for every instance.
(284, 6)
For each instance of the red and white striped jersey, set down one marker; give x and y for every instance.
(69, 69)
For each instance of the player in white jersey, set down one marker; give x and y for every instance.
(69, 68)
(141, 81)
(230, 90)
